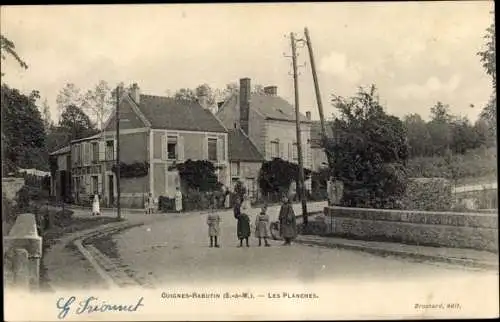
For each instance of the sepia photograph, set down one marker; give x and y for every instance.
(249, 161)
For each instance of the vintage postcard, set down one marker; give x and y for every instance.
(241, 162)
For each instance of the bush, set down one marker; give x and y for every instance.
(429, 194)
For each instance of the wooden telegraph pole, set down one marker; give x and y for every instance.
(117, 116)
(316, 85)
(300, 187)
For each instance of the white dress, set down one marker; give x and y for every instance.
(95, 206)
(178, 201)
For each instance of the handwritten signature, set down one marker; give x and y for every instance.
(92, 304)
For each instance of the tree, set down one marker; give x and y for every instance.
(76, 122)
(488, 59)
(185, 94)
(463, 136)
(440, 128)
(99, 102)
(7, 47)
(47, 120)
(69, 95)
(370, 151)
(23, 132)
(419, 139)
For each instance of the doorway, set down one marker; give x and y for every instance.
(111, 190)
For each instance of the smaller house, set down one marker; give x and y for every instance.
(60, 183)
(245, 161)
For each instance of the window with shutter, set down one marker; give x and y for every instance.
(172, 148)
(164, 147)
(102, 150)
(114, 150)
(282, 150)
(110, 148)
(275, 150)
(212, 149)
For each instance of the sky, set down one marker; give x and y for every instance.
(416, 53)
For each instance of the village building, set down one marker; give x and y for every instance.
(268, 121)
(245, 162)
(156, 133)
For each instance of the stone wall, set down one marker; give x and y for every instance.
(445, 229)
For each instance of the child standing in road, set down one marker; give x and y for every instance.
(213, 221)
(261, 223)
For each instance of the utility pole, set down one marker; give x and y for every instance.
(117, 116)
(297, 123)
(316, 85)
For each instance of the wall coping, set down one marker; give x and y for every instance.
(24, 227)
(422, 212)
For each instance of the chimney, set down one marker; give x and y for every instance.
(245, 90)
(308, 115)
(271, 90)
(135, 93)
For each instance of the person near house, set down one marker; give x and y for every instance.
(243, 226)
(287, 220)
(150, 204)
(330, 188)
(95, 206)
(213, 222)
(178, 200)
(261, 223)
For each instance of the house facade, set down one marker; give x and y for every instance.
(155, 132)
(269, 122)
(245, 162)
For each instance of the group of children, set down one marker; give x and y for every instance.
(243, 226)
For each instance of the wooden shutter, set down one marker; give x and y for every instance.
(205, 148)
(99, 185)
(282, 150)
(164, 139)
(180, 148)
(220, 150)
(290, 152)
(114, 149)
(102, 150)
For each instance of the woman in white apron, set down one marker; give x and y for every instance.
(95, 206)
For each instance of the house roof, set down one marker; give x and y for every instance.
(88, 138)
(316, 133)
(241, 147)
(172, 114)
(270, 106)
(63, 150)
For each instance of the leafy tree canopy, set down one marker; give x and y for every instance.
(23, 132)
(370, 149)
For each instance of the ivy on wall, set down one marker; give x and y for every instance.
(132, 170)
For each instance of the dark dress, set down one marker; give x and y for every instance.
(243, 227)
(288, 225)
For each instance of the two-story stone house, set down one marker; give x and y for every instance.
(269, 122)
(157, 130)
